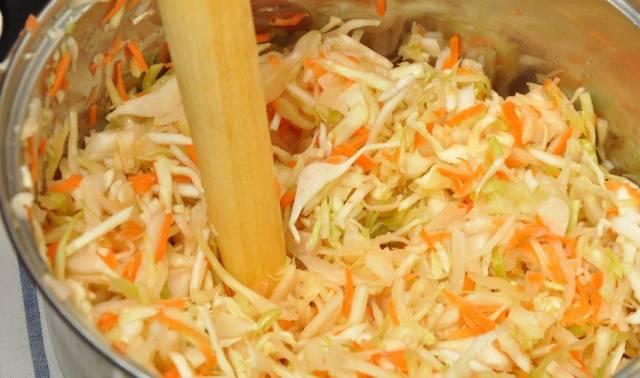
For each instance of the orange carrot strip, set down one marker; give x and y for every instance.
(110, 259)
(348, 293)
(561, 145)
(433, 238)
(61, 71)
(381, 7)
(117, 5)
(286, 324)
(164, 237)
(32, 23)
(294, 20)
(116, 45)
(397, 358)
(107, 321)
(517, 159)
(509, 112)
(143, 182)
(418, 141)
(137, 56)
(391, 309)
(273, 60)
(197, 337)
(466, 114)
(117, 72)
(288, 198)
(51, 252)
(131, 269)
(471, 314)
(317, 69)
(191, 152)
(452, 174)
(534, 277)
(454, 45)
(42, 146)
(615, 186)
(263, 37)
(554, 264)
(92, 115)
(469, 284)
(129, 230)
(178, 303)
(65, 186)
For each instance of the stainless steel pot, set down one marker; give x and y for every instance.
(592, 43)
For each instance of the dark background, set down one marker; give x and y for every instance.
(14, 13)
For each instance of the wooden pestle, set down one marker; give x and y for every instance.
(213, 47)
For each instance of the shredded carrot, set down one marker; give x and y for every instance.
(315, 67)
(137, 56)
(554, 264)
(181, 179)
(615, 186)
(263, 37)
(117, 73)
(351, 147)
(273, 60)
(32, 157)
(469, 284)
(51, 252)
(397, 358)
(42, 146)
(197, 337)
(164, 237)
(131, 269)
(561, 144)
(119, 347)
(65, 186)
(61, 71)
(320, 374)
(110, 259)
(518, 158)
(391, 309)
(336, 159)
(107, 321)
(450, 173)
(293, 20)
(92, 115)
(286, 324)
(129, 230)
(418, 141)
(178, 303)
(381, 7)
(191, 152)
(348, 292)
(32, 23)
(116, 45)
(503, 176)
(509, 112)
(534, 277)
(142, 182)
(288, 198)
(472, 315)
(433, 238)
(115, 8)
(172, 372)
(454, 46)
(466, 114)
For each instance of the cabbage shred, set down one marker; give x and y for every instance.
(436, 229)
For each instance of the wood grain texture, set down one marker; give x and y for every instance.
(213, 48)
